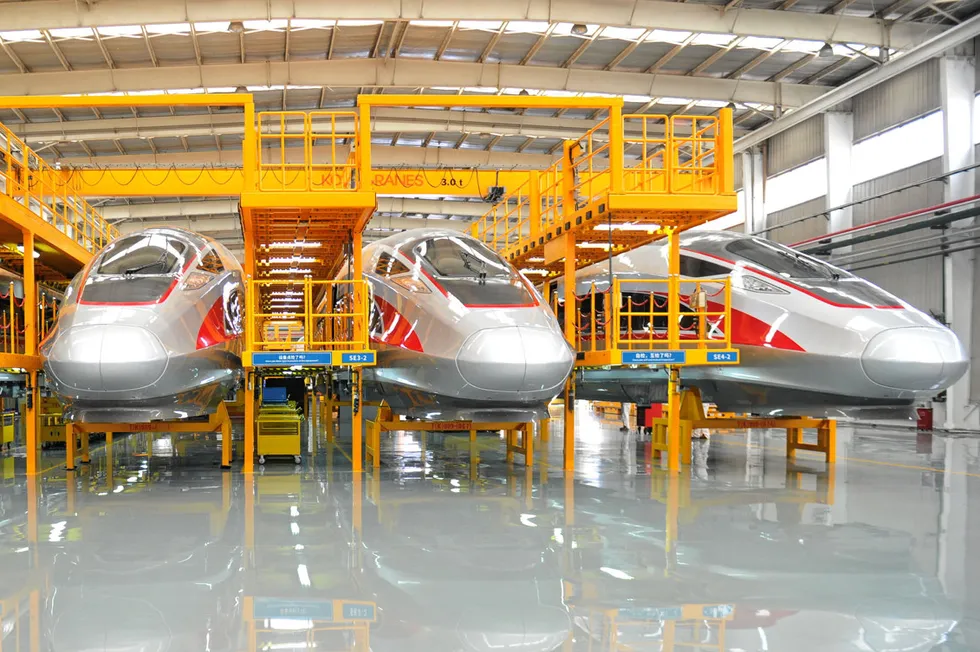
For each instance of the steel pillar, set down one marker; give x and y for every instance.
(838, 140)
(957, 85)
(753, 190)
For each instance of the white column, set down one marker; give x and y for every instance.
(753, 185)
(958, 85)
(838, 139)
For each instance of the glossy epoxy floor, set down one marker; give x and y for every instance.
(153, 548)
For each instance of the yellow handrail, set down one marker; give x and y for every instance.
(303, 151)
(30, 182)
(338, 322)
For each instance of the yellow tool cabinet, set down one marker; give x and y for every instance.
(277, 430)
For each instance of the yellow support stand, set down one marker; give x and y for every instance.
(685, 413)
(217, 422)
(519, 436)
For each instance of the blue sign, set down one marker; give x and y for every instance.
(722, 356)
(357, 611)
(651, 613)
(654, 357)
(357, 358)
(268, 608)
(291, 358)
(718, 611)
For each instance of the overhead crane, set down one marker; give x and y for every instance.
(307, 177)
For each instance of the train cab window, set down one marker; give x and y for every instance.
(692, 267)
(782, 260)
(136, 269)
(472, 272)
(211, 262)
(388, 265)
(143, 254)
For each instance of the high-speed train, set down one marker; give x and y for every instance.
(812, 337)
(151, 328)
(458, 331)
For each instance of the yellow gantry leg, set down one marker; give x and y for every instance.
(673, 419)
(248, 465)
(225, 436)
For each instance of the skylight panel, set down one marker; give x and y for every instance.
(801, 45)
(357, 23)
(121, 30)
(623, 33)
(312, 23)
(527, 26)
(718, 40)
(431, 23)
(22, 35)
(266, 25)
(668, 36)
(760, 42)
(491, 25)
(71, 32)
(219, 26)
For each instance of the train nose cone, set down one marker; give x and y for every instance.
(514, 359)
(107, 357)
(916, 358)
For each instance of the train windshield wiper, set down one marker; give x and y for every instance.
(481, 274)
(139, 268)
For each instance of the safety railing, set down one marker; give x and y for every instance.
(634, 315)
(12, 329)
(589, 165)
(308, 315)
(642, 314)
(509, 220)
(662, 155)
(45, 192)
(304, 151)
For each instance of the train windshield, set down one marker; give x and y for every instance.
(472, 272)
(783, 261)
(136, 269)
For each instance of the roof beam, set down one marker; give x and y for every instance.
(492, 43)
(149, 46)
(647, 14)
(445, 42)
(385, 120)
(57, 51)
(382, 156)
(406, 73)
(220, 207)
(949, 39)
(13, 56)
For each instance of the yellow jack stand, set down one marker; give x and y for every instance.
(219, 421)
(386, 421)
(692, 415)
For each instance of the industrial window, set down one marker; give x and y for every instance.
(211, 262)
(388, 265)
(692, 267)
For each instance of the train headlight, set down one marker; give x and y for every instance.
(753, 284)
(411, 284)
(195, 281)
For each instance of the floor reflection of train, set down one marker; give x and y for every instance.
(461, 572)
(785, 584)
(158, 573)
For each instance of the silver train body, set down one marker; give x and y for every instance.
(150, 329)
(459, 333)
(813, 338)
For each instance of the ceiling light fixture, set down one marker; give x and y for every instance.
(826, 51)
(236, 26)
(579, 29)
